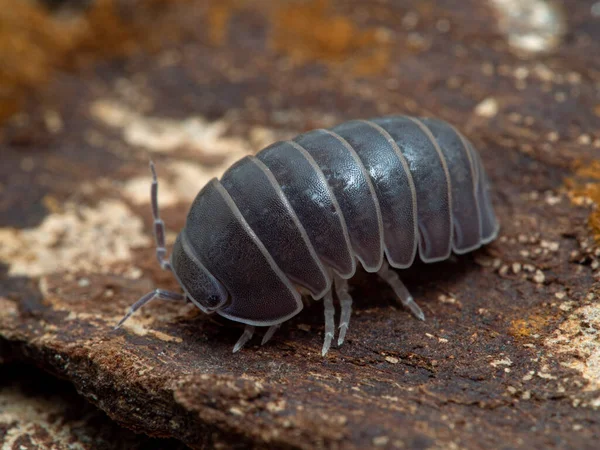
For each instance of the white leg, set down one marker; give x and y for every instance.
(158, 293)
(159, 225)
(341, 289)
(400, 290)
(329, 322)
(161, 254)
(269, 334)
(245, 337)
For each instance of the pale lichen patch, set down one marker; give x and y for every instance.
(34, 418)
(180, 179)
(165, 337)
(81, 238)
(501, 362)
(189, 178)
(7, 308)
(487, 108)
(159, 134)
(579, 339)
(140, 327)
(530, 26)
(137, 190)
(88, 317)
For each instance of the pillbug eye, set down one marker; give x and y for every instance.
(212, 301)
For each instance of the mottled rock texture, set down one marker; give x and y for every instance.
(38, 412)
(509, 355)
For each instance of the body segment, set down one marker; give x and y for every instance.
(349, 182)
(393, 184)
(431, 179)
(270, 215)
(307, 190)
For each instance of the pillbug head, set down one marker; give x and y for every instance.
(198, 283)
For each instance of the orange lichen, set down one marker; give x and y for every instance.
(530, 326)
(34, 44)
(594, 221)
(29, 43)
(309, 31)
(219, 15)
(590, 171)
(585, 184)
(374, 63)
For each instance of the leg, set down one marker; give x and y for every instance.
(269, 334)
(158, 293)
(159, 225)
(400, 290)
(341, 289)
(329, 323)
(245, 337)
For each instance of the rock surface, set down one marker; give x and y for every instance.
(509, 355)
(37, 412)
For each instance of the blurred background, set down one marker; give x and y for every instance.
(91, 89)
(87, 86)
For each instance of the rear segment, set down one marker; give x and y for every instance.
(259, 292)
(463, 179)
(489, 222)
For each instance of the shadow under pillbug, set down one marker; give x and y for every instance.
(298, 216)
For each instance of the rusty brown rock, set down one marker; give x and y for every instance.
(509, 353)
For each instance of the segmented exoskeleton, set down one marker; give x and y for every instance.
(298, 216)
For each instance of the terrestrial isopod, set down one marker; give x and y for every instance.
(298, 216)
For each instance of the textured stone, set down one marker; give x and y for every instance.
(37, 412)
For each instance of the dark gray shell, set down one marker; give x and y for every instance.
(284, 219)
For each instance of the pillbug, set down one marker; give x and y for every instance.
(298, 216)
